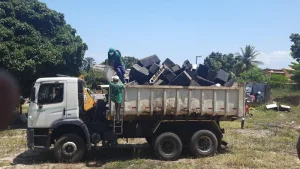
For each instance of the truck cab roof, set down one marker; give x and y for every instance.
(68, 79)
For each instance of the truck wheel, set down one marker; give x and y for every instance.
(203, 143)
(168, 146)
(69, 148)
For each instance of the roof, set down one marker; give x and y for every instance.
(68, 79)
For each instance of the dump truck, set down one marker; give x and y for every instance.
(168, 117)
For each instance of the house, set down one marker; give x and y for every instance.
(285, 72)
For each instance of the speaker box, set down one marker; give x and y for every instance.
(159, 82)
(169, 63)
(167, 75)
(187, 65)
(153, 69)
(194, 83)
(183, 79)
(211, 75)
(204, 82)
(221, 77)
(139, 74)
(147, 62)
(230, 83)
(176, 69)
(193, 74)
(133, 83)
(202, 71)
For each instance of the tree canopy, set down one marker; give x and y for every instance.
(295, 53)
(35, 41)
(216, 61)
(255, 74)
(88, 64)
(247, 58)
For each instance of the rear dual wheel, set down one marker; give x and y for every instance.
(167, 146)
(203, 143)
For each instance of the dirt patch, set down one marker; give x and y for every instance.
(291, 100)
(255, 133)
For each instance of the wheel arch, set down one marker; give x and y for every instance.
(67, 126)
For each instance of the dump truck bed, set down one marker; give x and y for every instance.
(142, 100)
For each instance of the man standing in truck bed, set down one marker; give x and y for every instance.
(116, 95)
(115, 60)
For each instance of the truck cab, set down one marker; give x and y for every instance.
(57, 107)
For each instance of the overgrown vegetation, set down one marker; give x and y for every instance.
(36, 41)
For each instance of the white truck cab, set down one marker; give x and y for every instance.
(56, 105)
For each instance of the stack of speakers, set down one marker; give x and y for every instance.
(169, 73)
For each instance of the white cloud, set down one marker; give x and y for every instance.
(275, 60)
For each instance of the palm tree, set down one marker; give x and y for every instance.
(88, 63)
(247, 58)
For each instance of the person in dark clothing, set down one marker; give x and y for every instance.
(115, 60)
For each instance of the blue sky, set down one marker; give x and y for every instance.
(181, 30)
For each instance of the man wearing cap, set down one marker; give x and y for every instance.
(115, 60)
(116, 94)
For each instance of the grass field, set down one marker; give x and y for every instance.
(267, 141)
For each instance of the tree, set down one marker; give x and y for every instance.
(129, 61)
(255, 74)
(247, 59)
(35, 41)
(277, 80)
(88, 63)
(94, 78)
(217, 61)
(295, 48)
(295, 53)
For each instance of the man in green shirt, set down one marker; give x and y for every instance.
(116, 94)
(115, 60)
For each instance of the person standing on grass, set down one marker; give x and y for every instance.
(9, 98)
(115, 60)
(116, 94)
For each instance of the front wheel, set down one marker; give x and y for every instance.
(203, 143)
(69, 148)
(168, 146)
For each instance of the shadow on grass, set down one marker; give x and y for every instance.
(99, 156)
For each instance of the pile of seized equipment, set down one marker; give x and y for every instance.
(150, 71)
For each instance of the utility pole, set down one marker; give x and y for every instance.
(197, 59)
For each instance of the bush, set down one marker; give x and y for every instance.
(253, 75)
(278, 81)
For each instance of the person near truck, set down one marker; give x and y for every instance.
(116, 95)
(115, 60)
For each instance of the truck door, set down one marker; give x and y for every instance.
(51, 102)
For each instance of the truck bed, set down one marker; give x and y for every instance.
(142, 100)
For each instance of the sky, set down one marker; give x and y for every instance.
(181, 30)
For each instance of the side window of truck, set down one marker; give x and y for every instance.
(51, 93)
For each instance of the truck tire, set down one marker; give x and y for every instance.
(298, 147)
(203, 143)
(167, 146)
(69, 148)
